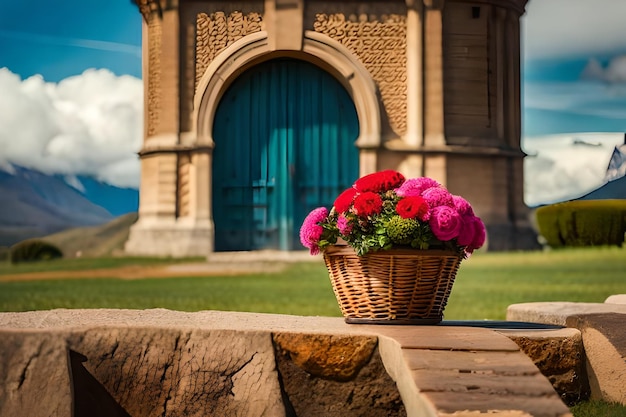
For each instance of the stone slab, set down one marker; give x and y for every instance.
(481, 362)
(604, 339)
(616, 299)
(172, 352)
(560, 356)
(445, 338)
(34, 378)
(557, 312)
(461, 403)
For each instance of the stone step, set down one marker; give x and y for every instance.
(604, 339)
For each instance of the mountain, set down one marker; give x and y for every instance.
(33, 204)
(115, 200)
(615, 189)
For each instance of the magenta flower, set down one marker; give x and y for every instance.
(438, 196)
(415, 186)
(343, 224)
(311, 231)
(468, 231)
(445, 222)
(480, 235)
(462, 206)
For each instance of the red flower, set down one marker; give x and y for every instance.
(379, 182)
(367, 204)
(414, 207)
(344, 201)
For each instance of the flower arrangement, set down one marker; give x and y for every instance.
(385, 210)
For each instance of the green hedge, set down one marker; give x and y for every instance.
(32, 250)
(583, 223)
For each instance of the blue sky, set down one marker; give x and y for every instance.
(59, 39)
(574, 70)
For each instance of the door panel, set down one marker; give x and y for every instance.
(284, 137)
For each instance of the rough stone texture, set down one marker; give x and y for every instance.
(169, 363)
(560, 356)
(338, 358)
(149, 372)
(462, 369)
(604, 338)
(34, 378)
(369, 392)
(616, 299)
(558, 312)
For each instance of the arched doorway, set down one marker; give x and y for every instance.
(284, 135)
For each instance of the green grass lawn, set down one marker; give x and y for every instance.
(486, 284)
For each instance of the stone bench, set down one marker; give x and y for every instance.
(167, 363)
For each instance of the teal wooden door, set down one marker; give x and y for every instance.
(284, 137)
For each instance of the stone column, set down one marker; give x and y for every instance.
(414, 75)
(434, 164)
(284, 23)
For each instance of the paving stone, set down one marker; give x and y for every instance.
(479, 362)
(544, 406)
(445, 337)
(604, 339)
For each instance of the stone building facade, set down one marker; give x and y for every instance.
(434, 87)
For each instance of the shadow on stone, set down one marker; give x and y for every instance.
(334, 376)
(500, 325)
(89, 397)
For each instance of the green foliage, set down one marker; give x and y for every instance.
(583, 223)
(4, 253)
(598, 409)
(33, 250)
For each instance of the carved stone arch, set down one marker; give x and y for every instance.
(317, 49)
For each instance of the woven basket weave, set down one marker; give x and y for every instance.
(398, 286)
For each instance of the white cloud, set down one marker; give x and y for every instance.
(615, 72)
(566, 166)
(90, 124)
(561, 28)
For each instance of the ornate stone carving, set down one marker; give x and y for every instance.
(217, 31)
(184, 185)
(154, 74)
(380, 44)
(146, 7)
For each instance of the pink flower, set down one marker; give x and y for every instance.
(343, 224)
(415, 186)
(438, 196)
(462, 206)
(480, 235)
(468, 231)
(445, 222)
(311, 231)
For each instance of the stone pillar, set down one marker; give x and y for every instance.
(167, 226)
(284, 24)
(433, 74)
(415, 95)
(434, 164)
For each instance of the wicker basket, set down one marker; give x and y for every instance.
(399, 286)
